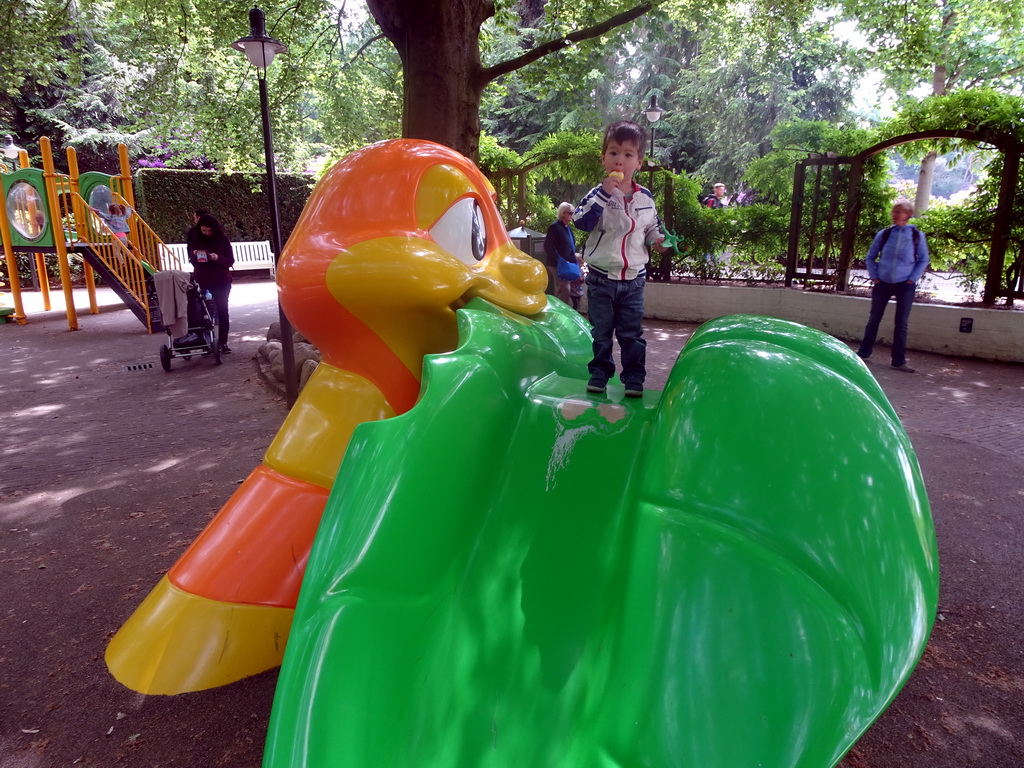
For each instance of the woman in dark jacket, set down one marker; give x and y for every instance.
(210, 254)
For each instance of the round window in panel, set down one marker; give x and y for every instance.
(100, 198)
(25, 211)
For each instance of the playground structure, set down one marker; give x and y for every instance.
(463, 558)
(48, 212)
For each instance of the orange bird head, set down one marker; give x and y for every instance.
(393, 240)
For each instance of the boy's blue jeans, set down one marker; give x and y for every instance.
(881, 292)
(617, 306)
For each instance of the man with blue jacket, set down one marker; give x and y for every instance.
(896, 260)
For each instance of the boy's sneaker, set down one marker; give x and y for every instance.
(905, 368)
(634, 390)
(597, 386)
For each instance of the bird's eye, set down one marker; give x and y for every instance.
(461, 231)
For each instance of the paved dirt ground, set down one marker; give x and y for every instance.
(110, 468)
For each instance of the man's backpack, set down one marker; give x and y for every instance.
(915, 235)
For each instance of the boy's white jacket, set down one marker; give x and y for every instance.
(621, 231)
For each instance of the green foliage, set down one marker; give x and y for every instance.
(728, 83)
(560, 167)
(201, 92)
(949, 45)
(772, 174)
(960, 235)
(726, 73)
(954, 45)
(167, 198)
(985, 111)
(59, 77)
(163, 78)
(565, 92)
(26, 263)
(686, 217)
(959, 238)
(566, 165)
(760, 232)
(571, 155)
(495, 157)
(753, 236)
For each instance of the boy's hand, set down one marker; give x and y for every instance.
(658, 246)
(612, 180)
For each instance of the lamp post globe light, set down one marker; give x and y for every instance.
(260, 50)
(653, 113)
(10, 149)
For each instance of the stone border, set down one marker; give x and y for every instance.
(995, 334)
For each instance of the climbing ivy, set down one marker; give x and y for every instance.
(984, 111)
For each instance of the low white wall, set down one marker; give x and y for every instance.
(997, 334)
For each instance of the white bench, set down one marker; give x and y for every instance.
(248, 255)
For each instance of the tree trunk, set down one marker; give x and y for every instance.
(439, 44)
(927, 173)
(924, 183)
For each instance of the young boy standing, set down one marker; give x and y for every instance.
(621, 216)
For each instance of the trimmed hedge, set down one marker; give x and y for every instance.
(166, 199)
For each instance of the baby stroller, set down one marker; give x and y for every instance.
(199, 338)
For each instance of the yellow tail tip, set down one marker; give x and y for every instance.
(176, 642)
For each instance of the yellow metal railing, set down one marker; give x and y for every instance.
(151, 248)
(83, 226)
(154, 251)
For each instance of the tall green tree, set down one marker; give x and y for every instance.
(198, 98)
(749, 73)
(943, 45)
(163, 78)
(444, 74)
(61, 76)
(573, 90)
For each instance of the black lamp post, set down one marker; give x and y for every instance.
(653, 113)
(260, 51)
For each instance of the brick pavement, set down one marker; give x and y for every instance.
(108, 469)
(972, 401)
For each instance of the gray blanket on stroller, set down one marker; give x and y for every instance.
(172, 296)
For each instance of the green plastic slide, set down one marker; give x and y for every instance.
(737, 572)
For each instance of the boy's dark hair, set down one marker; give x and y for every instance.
(623, 131)
(201, 212)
